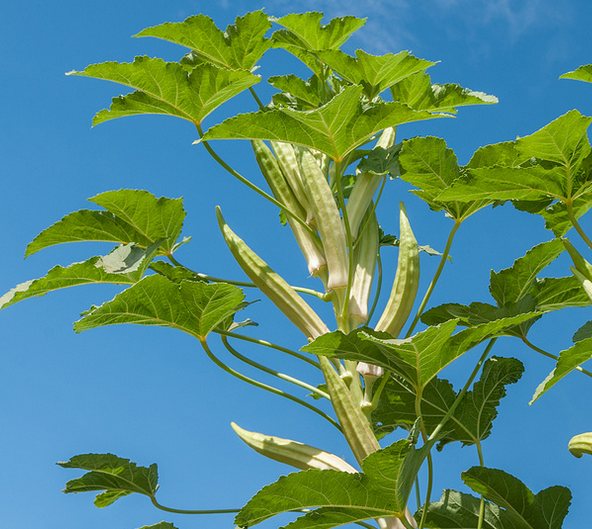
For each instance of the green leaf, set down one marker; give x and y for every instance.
(176, 274)
(193, 307)
(498, 154)
(419, 93)
(160, 525)
(382, 490)
(132, 216)
(568, 360)
(116, 476)
(336, 128)
(380, 161)
(430, 166)
(512, 284)
(554, 293)
(167, 88)
(396, 407)
(374, 73)
(238, 48)
(585, 331)
(456, 510)
(545, 510)
(473, 418)
(583, 73)
(303, 33)
(88, 272)
(308, 94)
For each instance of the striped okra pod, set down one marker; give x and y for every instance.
(406, 282)
(582, 269)
(365, 187)
(286, 159)
(293, 453)
(356, 428)
(328, 221)
(365, 257)
(282, 191)
(273, 285)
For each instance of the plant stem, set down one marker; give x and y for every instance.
(260, 385)
(428, 489)
(482, 503)
(256, 97)
(552, 356)
(252, 186)
(281, 376)
(265, 343)
(576, 224)
(247, 284)
(434, 437)
(184, 511)
(378, 287)
(435, 278)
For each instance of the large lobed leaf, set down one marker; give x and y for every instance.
(238, 48)
(116, 476)
(336, 128)
(193, 307)
(381, 490)
(131, 216)
(168, 88)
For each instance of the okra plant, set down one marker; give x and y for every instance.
(326, 146)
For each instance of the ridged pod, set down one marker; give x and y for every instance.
(581, 444)
(365, 187)
(406, 282)
(283, 192)
(356, 428)
(272, 284)
(365, 257)
(328, 220)
(293, 453)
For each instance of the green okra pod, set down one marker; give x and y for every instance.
(365, 258)
(356, 428)
(281, 189)
(272, 284)
(293, 453)
(406, 281)
(327, 219)
(365, 187)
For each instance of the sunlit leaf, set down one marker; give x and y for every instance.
(512, 284)
(583, 73)
(308, 94)
(419, 93)
(132, 216)
(239, 47)
(193, 307)
(116, 476)
(176, 274)
(569, 359)
(381, 490)
(160, 525)
(545, 510)
(374, 73)
(167, 88)
(304, 33)
(585, 331)
(430, 166)
(336, 128)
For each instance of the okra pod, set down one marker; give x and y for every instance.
(293, 453)
(328, 221)
(365, 187)
(281, 189)
(272, 284)
(356, 428)
(406, 282)
(583, 266)
(365, 258)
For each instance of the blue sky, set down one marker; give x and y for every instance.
(149, 394)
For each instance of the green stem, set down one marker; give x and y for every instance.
(281, 376)
(247, 284)
(434, 437)
(265, 387)
(252, 186)
(265, 343)
(482, 504)
(184, 511)
(430, 485)
(378, 287)
(435, 278)
(259, 103)
(554, 357)
(576, 224)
